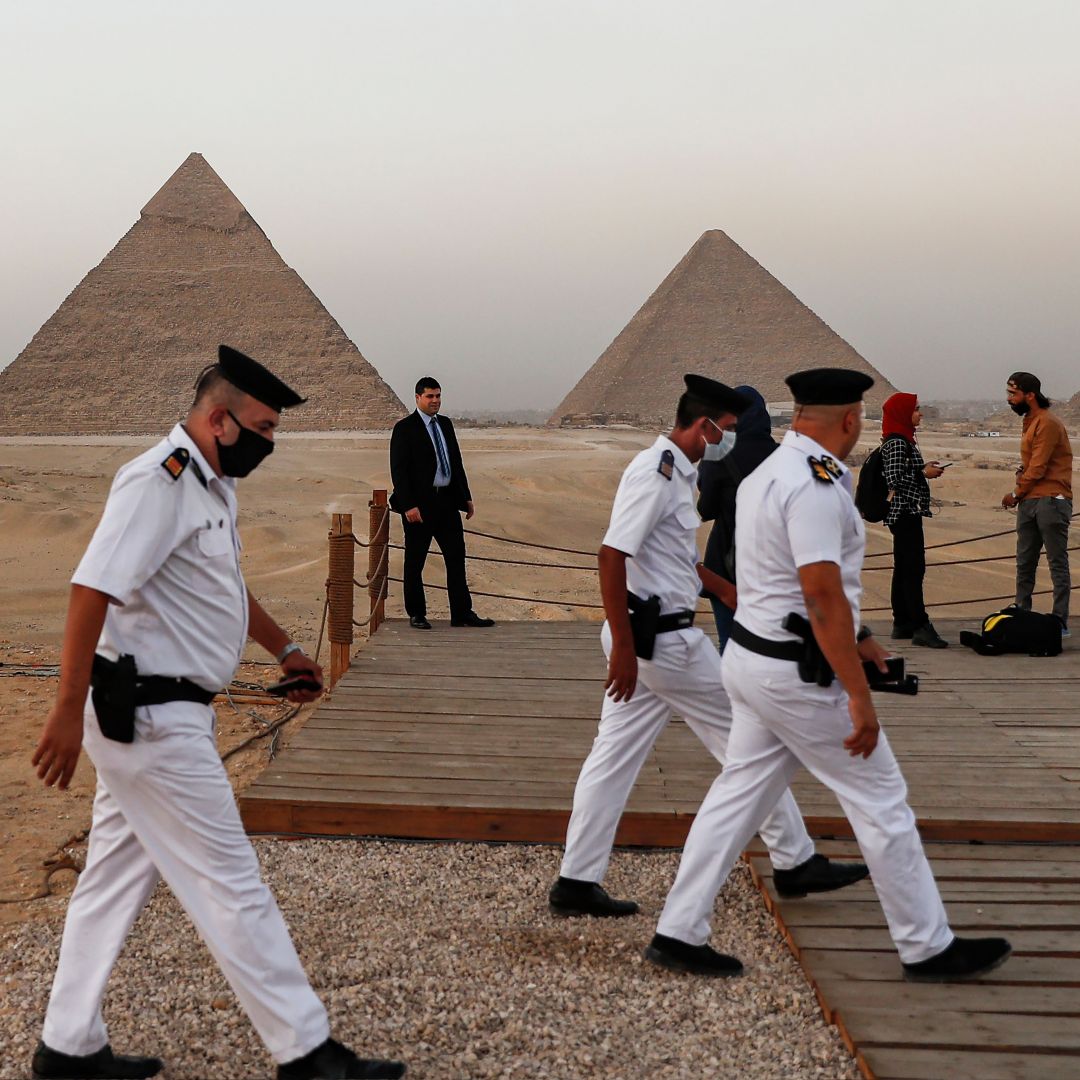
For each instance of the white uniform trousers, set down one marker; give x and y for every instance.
(164, 808)
(779, 723)
(685, 675)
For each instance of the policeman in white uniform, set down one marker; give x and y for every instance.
(659, 662)
(801, 544)
(157, 621)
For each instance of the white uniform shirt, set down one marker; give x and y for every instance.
(786, 518)
(168, 554)
(655, 522)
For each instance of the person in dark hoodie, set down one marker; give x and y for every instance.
(718, 480)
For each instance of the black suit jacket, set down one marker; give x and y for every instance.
(413, 464)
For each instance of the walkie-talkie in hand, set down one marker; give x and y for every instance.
(302, 681)
(893, 681)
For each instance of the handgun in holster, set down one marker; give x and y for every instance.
(644, 623)
(113, 695)
(813, 667)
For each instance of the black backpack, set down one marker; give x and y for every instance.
(871, 492)
(1014, 630)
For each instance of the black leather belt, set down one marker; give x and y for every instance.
(158, 689)
(677, 620)
(778, 650)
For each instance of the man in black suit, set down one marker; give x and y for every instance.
(430, 492)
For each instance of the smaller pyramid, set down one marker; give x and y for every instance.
(122, 352)
(718, 313)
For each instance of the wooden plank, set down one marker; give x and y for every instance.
(885, 966)
(877, 939)
(911, 1063)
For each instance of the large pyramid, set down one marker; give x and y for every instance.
(718, 313)
(121, 353)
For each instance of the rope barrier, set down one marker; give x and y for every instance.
(384, 561)
(956, 543)
(322, 624)
(529, 543)
(962, 562)
(379, 570)
(975, 600)
(505, 596)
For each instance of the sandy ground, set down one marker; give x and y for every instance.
(551, 486)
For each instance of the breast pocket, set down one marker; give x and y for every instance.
(215, 542)
(688, 517)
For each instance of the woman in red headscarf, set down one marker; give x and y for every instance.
(906, 475)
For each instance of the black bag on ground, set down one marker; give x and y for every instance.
(1014, 630)
(871, 491)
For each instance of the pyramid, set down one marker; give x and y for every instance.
(718, 313)
(122, 352)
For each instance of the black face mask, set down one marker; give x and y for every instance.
(246, 453)
(1021, 408)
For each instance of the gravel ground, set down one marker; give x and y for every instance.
(445, 956)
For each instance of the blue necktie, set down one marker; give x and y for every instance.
(440, 450)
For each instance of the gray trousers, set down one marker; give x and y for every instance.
(1043, 522)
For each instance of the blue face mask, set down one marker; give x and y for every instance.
(719, 451)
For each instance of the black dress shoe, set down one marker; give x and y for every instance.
(418, 622)
(472, 619)
(332, 1061)
(901, 632)
(676, 955)
(965, 958)
(929, 638)
(104, 1064)
(816, 875)
(569, 897)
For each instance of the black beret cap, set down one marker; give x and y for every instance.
(709, 392)
(251, 377)
(828, 386)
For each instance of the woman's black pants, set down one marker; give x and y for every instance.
(909, 569)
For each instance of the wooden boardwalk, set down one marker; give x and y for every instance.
(1022, 1022)
(479, 735)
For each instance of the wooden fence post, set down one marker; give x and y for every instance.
(339, 591)
(378, 556)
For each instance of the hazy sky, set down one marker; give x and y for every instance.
(489, 191)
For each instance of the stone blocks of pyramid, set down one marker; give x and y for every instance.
(122, 352)
(718, 313)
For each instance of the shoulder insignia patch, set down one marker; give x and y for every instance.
(176, 462)
(667, 465)
(819, 470)
(830, 466)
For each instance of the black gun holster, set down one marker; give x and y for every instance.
(813, 667)
(113, 684)
(644, 623)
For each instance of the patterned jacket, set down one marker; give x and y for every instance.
(903, 466)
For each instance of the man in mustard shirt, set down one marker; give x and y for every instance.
(1042, 494)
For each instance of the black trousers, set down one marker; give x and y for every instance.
(909, 569)
(442, 523)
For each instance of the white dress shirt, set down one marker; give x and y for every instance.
(654, 520)
(167, 553)
(786, 518)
